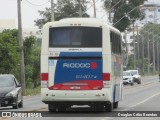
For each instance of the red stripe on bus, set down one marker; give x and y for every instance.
(79, 85)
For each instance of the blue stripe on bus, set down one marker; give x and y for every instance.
(80, 54)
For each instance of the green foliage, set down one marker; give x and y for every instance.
(63, 9)
(149, 32)
(33, 91)
(9, 57)
(32, 61)
(120, 10)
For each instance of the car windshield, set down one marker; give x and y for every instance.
(6, 81)
(126, 74)
(134, 72)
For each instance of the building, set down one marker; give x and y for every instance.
(26, 32)
(7, 24)
(152, 13)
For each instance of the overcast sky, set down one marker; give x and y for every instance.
(8, 10)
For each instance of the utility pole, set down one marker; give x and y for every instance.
(148, 57)
(134, 48)
(157, 56)
(22, 66)
(138, 46)
(80, 8)
(142, 54)
(52, 10)
(125, 39)
(153, 55)
(94, 8)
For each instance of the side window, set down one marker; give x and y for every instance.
(115, 40)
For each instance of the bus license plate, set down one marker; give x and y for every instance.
(75, 87)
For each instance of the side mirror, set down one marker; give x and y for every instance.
(19, 85)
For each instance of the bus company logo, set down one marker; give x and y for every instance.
(92, 65)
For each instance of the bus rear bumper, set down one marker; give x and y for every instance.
(75, 96)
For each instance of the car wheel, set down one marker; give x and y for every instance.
(139, 82)
(20, 104)
(132, 83)
(16, 104)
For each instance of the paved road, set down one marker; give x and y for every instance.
(144, 97)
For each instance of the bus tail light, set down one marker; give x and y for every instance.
(44, 80)
(106, 80)
(106, 76)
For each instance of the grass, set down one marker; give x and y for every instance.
(32, 91)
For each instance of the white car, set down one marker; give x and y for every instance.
(136, 76)
(128, 78)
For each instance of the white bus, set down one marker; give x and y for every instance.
(81, 64)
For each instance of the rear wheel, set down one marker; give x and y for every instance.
(115, 104)
(51, 108)
(99, 108)
(108, 107)
(61, 108)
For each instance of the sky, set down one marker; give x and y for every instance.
(8, 10)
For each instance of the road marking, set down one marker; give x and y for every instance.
(131, 107)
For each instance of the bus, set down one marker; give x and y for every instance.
(81, 64)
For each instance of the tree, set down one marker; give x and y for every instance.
(151, 33)
(32, 61)
(63, 9)
(146, 35)
(120, 9)
(9, 56)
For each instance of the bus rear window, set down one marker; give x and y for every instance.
(75, 37)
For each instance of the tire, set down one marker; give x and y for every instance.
(51, 108)
(20, 104)
(132, 83)
(61, 108)
(139, 82)
(115, 104)
(109, 107)
(16, 105)
(99, 108)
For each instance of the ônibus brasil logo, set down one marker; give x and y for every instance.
(92, 65)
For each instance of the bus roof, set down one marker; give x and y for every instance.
(84, 20)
